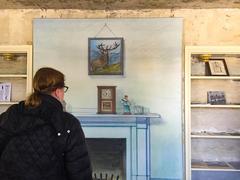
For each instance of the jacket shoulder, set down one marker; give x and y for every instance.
(12, 109)
(10, 114)
(71, 121)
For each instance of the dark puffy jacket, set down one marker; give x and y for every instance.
(36, 136)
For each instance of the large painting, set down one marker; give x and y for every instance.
(105, 56)
(153, 51)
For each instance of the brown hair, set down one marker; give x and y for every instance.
(45, 81)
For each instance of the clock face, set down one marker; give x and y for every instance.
(106, 94)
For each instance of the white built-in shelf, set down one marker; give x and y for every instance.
(13, 75)
(213, 169)
(216, 77)
(16, 71)
(215, 166)
(203, 116)
(215, 106)
(215, 136)
(8, 103)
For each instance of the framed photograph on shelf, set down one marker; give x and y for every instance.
(217, 67)
(5, 91)
(216, 97)
(105, 56)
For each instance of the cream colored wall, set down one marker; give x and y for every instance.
(201, 26)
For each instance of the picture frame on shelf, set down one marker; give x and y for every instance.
(5, 91)
(216, 97)
(105, 56)
(217, 67)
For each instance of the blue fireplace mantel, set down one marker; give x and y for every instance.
(134, 128)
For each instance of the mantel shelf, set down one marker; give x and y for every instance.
(151, 115)
(118, 119)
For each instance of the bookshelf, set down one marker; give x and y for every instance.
(16, 69)
(212, 128)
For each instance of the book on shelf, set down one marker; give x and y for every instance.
(216, 97)
(213, 164)
(199, 164)
(235, 164)
(218, 165)
(5, 91)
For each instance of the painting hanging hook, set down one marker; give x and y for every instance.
(105, 26)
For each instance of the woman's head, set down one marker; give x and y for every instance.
(47, 81)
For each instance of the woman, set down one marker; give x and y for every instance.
(38, 140)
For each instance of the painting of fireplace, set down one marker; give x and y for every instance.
(108, 157)
(131, 133)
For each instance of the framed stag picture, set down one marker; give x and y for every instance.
(105, 56)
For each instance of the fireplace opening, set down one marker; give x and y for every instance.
(108, 157)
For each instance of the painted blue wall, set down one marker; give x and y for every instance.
(152, 74)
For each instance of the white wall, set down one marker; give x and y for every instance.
(152, 75)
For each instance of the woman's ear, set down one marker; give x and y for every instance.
(55, 93)
(58, 93)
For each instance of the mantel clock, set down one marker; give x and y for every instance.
(106, 99)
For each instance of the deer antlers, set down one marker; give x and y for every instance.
(103, 48)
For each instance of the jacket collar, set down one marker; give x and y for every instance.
(50, 110)
(45, 110)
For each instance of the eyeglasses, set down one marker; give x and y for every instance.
(65, 88)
